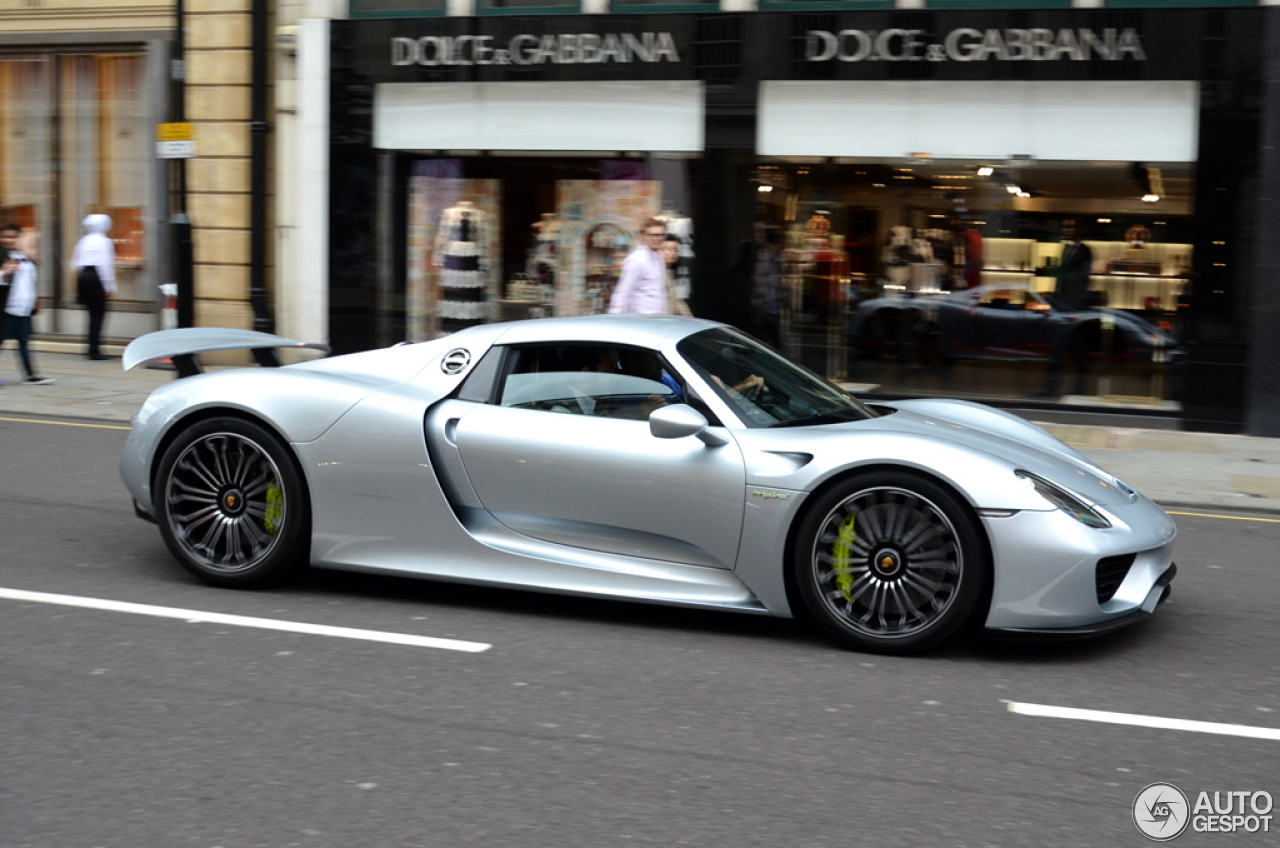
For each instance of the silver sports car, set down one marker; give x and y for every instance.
(659, 459)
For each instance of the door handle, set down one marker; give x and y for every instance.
(451, 431)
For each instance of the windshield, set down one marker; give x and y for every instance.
(765, 388)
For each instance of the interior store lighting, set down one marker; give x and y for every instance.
(765, 188)
(1104, 220)
(1012, 189)
(986, 171)
(1150, 198)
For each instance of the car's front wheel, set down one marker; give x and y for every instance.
(890, 562)
(231, 505)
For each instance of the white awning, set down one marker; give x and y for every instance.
(981, 119)
(658, 117)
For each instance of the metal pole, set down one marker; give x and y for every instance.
(258, 126)
(184, 252)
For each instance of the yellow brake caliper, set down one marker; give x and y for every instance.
(275, 508)
(842, 553)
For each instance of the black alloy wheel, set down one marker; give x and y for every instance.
(890, 562)
(231, 505)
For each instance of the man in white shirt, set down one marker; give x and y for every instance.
(642, 287)
(18, 276)
(94, 260)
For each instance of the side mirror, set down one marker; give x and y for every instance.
(679, 420)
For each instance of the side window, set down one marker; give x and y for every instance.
(478, 385)
(607, 381)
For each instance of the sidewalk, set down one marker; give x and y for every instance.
(1175, 469)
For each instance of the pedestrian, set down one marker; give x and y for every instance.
(671, 256)
(642, 286)
(18, 289)
(94, 262)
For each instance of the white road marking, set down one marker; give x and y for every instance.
(198, 616)
(1135, 720)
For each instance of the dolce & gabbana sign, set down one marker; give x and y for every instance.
(585, 48)
(974, 45)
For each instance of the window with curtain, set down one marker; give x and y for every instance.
(105, 151)
(25, 148)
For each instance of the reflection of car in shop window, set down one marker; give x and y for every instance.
(1000, 320)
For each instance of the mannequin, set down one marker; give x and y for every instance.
(460, 243)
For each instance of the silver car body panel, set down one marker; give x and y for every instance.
(405, 480)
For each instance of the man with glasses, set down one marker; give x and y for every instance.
(642, 287)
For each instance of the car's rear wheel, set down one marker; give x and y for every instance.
(890, 562)
(231, 505)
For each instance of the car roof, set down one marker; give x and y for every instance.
(640, 330)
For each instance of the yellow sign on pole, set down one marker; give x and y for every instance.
(173, 132)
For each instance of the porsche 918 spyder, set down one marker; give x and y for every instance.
(658, 459)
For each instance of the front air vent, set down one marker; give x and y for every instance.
(1110, 574)
(455, 360)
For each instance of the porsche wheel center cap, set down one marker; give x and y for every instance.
(887, 563)
(232, 502)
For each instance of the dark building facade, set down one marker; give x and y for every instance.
(1071, 207)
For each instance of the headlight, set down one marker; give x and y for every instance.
(1065, 501)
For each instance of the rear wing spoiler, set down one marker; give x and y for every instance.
(181, 347)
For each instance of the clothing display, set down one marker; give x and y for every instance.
(459, 250)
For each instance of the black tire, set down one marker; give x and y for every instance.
(890, 562)
(231, 504)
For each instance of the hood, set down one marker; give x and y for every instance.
(1013, 440)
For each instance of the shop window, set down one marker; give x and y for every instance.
(1059, 280)
(494, 238)
(106, 156)
(25, 150)
(397, 8)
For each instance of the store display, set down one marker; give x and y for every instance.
(523, 290)
(451, 281)
(1121, 278)
(459, 245)
(599, 221)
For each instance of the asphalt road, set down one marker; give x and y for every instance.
(587, 723)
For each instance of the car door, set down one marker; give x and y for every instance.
(564, 454)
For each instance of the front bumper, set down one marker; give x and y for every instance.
(1158, 595)
(1045, 569)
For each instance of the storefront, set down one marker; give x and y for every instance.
(76, 138)
(1059, 205)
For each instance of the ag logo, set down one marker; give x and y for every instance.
(1161, 812)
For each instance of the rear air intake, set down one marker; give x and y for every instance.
(1110, 574)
